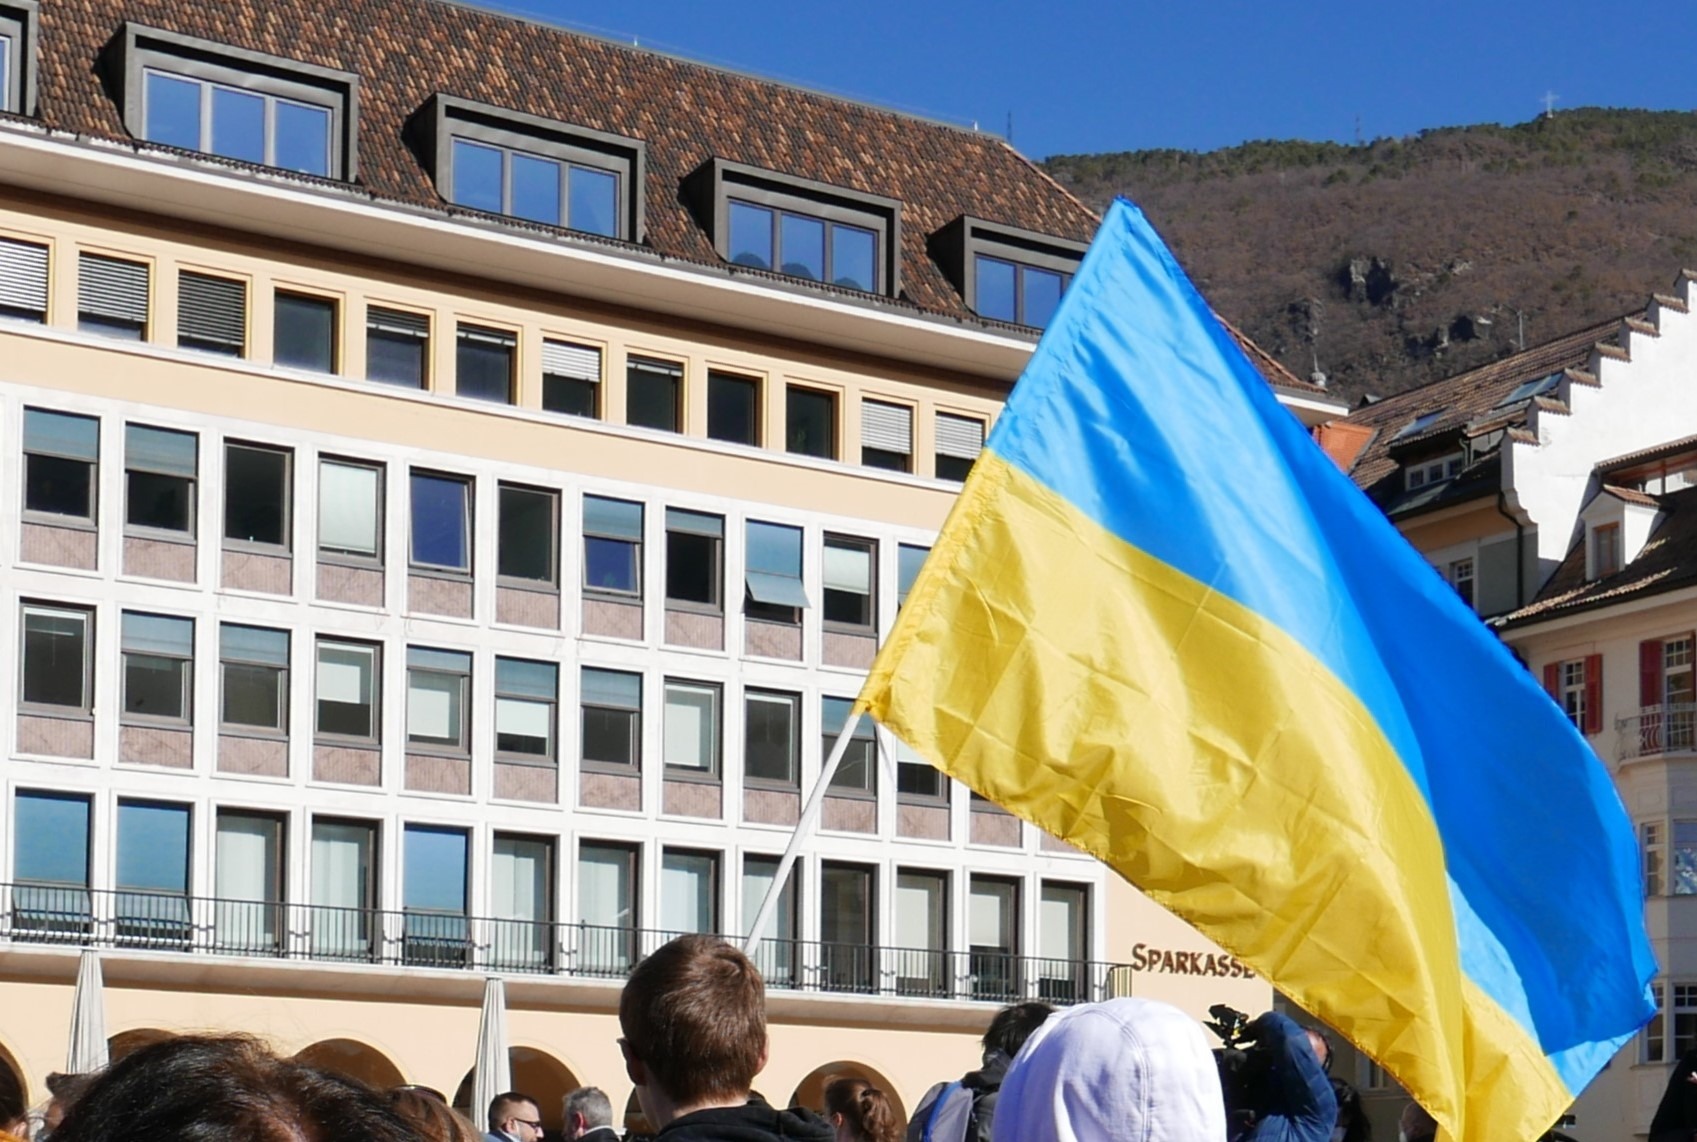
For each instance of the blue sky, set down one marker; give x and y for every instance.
(1086, 75)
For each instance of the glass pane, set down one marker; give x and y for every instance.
(6, 74)
(687, 892)
(54, 673)
(571, 396)
(523, 869)
(908, 562)
(439, 522)
(692, 568)
(594, 201)
(1042, 295)
(536, 188)
(154, 685)
(153, 846)
(434, 877)
(256, 495)
(526, 535)
(306, 333)
(919, 911)
(253, 696)
(604, 886)
(524, 727)
(994, 288)
(50, 838)
(395, 358)
(434, 706)
(342, 864)
(751, 236)
(477, 176)
(483, 370)
(651, 397)
(1060, 923)
(156, 501)
(801, 245)
(854, 255)
(302, 141)
(769, 737)
(58, 486)
(344, 686)
(774, 548)
(810, 425)
(609, 565)
(692, 727)
(238, 124)
(609, 736)
(347, 508)
(733, 409)
(173, 111)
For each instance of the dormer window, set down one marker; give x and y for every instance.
(1605, 549)
(813, 231)
(17, 56)
(540, 170)
(1418, 425)
(1429, 472)
(184, 92)
(1005, 273)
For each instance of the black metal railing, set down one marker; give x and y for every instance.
(205, 926)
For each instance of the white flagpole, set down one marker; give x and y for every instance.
(803, 829)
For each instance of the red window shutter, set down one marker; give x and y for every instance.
(1650, 672)
(1593, 693)
(1552, 680)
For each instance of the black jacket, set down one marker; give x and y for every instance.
(755, 1122)
(1676, 1117)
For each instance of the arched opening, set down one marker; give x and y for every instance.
(14, 1093)
(124, 1042)
(811, 1092)
(536, 1073)
(355, 1060)
(636, 1122)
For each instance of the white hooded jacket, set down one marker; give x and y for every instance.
(1127, 1070)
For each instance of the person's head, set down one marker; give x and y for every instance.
(228, 1087)
(63, 1089)
(1416, 1124)
(1013, 1025)
(429, 1115)
(693, 1016)
(860, 1111)
(586, 1108)
(1322, 1048)
(516, 1115)
(1126, 1070)
(1353, 1124)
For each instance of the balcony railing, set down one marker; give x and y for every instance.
(1658, 729)
(203, 926)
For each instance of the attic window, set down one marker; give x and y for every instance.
(1418, 425)
(204, 96)
(1005, 273)
(1526, 390)
(1605, 549)
(540, 170)
(813, 231)
(17, 56)
(1429, 472)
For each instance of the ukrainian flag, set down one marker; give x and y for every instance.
(1160, 624)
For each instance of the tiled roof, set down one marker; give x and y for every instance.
(1667, 563)
(406, 50)
(1648, 455)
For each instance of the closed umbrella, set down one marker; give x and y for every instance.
(494, 1073)
(87, 1050)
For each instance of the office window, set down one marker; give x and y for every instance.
(50, 837)
(909, 559)
(733, 408)
(522, 903)
(607, 907)
(160, 467)
(689, 892)
(346, 688)
(921, 939)
(773, 573)
(612, 546)
(691, 730)
(886, 436)
(810, 422)
(775, 955)
(304, 332)
(342, 917)
(993, 934)
(654, 394)
(527, 534)
(211, 314)
(441, 522)
(254, 662)
(1005, 273)
(848, 933)
(858, 769)
(771, 737)
(849, 577)
(158, 666)
(484, 363)
(350, 510)
(612, 717)
(694, 559)
(248, 882)
(917, 780)
(525, 697)
(438, 684)
(397, 347)
(959, 441)
(153, 873)
(804, 246)
(112, 297)
(571, 379)
(502, 180)
(1063, 942)
(435, 887)
(256, 495)
(57, 669)
(23, 267)
(1018, 293)
(61, 457)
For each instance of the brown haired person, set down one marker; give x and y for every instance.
(860, 1112)
(694, 1021)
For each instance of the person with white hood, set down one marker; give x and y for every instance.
(1125, 1070)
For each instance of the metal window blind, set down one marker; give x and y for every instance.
(394, 321)
(522, 678)
(886, 427)
(253, 644)
(212, 310)
(484, 336)
(695, 523)
(579, 362)
(61, 434)
(158, 634)
(959, 436)
(159, 450)
(112, 289)
(23, 276)
(612, 688)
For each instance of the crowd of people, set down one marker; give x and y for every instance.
(693, 1024)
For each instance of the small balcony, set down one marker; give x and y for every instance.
(76, 917)
(1656, 730)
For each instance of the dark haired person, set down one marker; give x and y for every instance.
(514, 1117)
(962, 1110)
(694, 1021)
(860, 1112)
(227, 1087)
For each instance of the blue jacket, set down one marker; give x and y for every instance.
(1301, 1106)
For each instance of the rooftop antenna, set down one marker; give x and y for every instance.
(1549, 102)
(1520, 340)
(1009, 135)
(1358, 139)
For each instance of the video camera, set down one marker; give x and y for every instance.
(1245, 1067)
